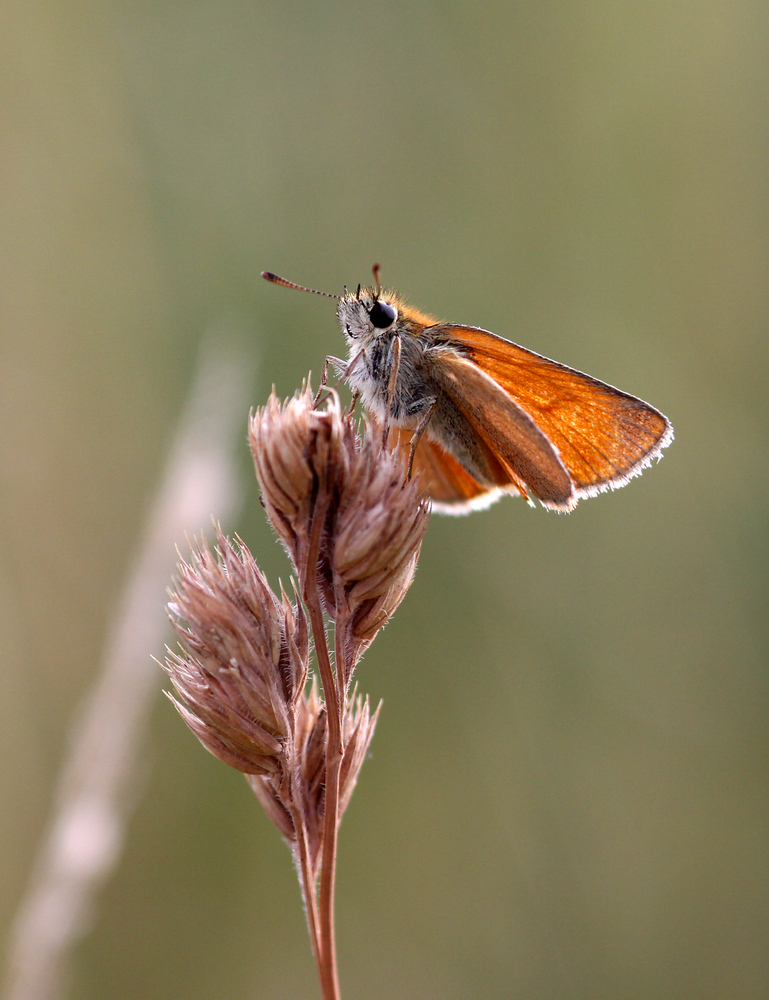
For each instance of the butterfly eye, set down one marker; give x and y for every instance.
(382, 315)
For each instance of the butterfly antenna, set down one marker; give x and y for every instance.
(375, 269)
(277, 280)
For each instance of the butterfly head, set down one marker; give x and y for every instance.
(367, 314)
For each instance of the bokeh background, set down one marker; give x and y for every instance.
(567, 796)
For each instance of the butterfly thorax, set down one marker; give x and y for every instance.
(371, 324)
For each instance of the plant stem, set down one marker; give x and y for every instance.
(334, 754)
(327, 970)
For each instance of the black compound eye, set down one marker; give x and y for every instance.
(382, 315)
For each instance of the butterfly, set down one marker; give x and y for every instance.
(480, 416)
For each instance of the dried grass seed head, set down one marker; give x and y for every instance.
(243, 663)
(312, 463)
(306, 793)
(380, 522)
(298, 452)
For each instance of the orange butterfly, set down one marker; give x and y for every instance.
(481, 416)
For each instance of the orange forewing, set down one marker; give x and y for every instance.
(510, 449)
(603, 436)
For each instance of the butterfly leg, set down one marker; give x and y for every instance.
(324, 377)
(353, 401)
(421, 427)
(341, 366)
(392, 382)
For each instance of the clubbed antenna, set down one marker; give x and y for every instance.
(277, 280)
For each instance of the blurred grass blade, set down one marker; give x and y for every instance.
(95, 790)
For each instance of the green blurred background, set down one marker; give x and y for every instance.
(567, 796)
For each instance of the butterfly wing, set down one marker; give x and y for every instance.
(602, 435)
(489, 434)
(450, 486)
